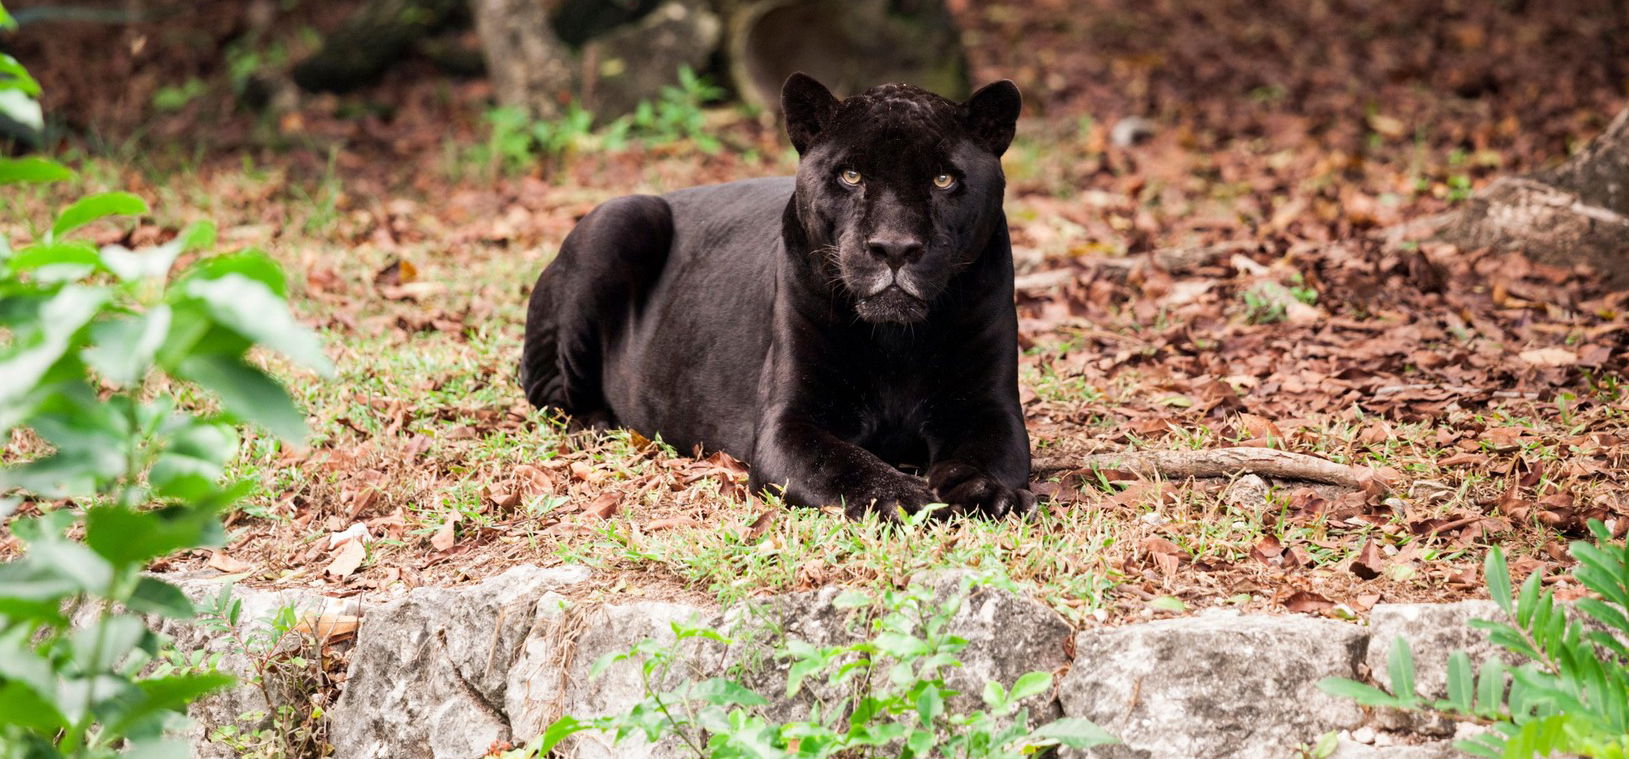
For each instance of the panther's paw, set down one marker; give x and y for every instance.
(969, 490)
(891, 496)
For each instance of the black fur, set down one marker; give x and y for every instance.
(822, 328)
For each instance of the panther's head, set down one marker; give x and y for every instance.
(898, 189)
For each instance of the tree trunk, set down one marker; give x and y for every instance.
(1576, 213)
(528, 64)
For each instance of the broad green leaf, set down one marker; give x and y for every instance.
(1400, 665)
(60, 317)
(123, 349)
(852, 599)
(1031, 684)
(34, 589)
(193, 462)
(1497, 577)
(253, 310)
(1490, 687)
(249, 263)
(247, 393)
(154, 596)
(1074, 732)
(1527, 599)
(22, 662)
(26, 708)
(32, 169)
(100, 645)
(725, 692)
(88, 571)
(57, 260)
(559, 730)
(930, 704)
(1461, 682)
(1363, 693)
(994, 695)
(99, 206)
(165, 694)
(132, 536)
(62, 475)
(13, 76)
(155, 262)
(21, 108)
(921, 742)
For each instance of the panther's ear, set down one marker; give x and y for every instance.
(808, 106)
(992, 115)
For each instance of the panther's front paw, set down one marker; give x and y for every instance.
(890, 496)
(969, 490)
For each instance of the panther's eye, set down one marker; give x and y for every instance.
(944, 181)
(849, 176)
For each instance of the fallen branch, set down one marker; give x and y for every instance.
(1215, 462)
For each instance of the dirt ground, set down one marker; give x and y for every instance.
(1244, 276)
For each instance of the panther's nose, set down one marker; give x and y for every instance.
(897, 251)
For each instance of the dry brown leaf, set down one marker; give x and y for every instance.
(443, 539)
(532, 480)
(1268, 551)
(671, 523)
(762, 524)
(1307, 602)
(220, 560)
(604, 505)
(1260, 427)
(328, 627)
(1549, 357)
(1369, 562)
(346, 559)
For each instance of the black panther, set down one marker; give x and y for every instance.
(824, 327)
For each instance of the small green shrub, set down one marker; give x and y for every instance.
(895, 702)
(1571, 693)
(93, 341)
(285, 666)
(516, 143)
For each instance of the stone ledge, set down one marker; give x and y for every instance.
(444, 673)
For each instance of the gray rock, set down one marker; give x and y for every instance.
(550, 676)
(1008, 636)
(1219, 686)
(429, 672)
(1349, 749)
(1433, 631)
(258, 608)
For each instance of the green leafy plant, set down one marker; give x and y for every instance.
(676, 114)
(894, 701)
(285, 666)
(93, 344)
(18, 90)
(1570, 694)
(516, 142)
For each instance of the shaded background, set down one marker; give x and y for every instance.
(1524, 77)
